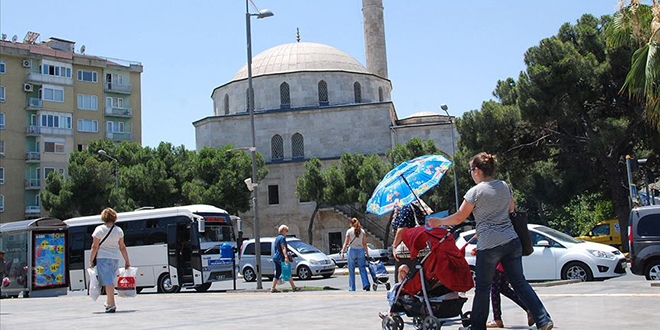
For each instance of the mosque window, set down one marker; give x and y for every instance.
(357, 90)
(297, 146)
(285, 96)
(323, 93)
(277, 148)
(380, 94)
(226, 104)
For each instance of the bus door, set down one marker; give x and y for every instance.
(178, 253)
(195, 256)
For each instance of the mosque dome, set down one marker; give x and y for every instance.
(300, 56)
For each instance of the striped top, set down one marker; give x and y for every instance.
(491, 212)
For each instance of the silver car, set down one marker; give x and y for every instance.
(384, 255)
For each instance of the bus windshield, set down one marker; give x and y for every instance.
(218, 228)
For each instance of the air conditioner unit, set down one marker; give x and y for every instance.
(27, 63)
(28, 87)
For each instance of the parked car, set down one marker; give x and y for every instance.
(384, 255)
(644, 240)
(308, 261)
(605, 232)
(560, 256)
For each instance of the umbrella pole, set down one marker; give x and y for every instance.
(413, 191)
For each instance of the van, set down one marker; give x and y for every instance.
(308, 261)
(644, 241)
(605, 232)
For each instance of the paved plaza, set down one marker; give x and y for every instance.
(624, 303)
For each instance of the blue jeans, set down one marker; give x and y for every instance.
(510, 255)
(357, 255)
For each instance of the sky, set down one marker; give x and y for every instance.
(438, 51)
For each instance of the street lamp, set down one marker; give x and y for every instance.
(257, 243)
(453, 152)
(105, 154)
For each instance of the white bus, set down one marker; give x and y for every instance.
(173, 248)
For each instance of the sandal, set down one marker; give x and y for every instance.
(495, 324)
(273, 290)
(296, 289)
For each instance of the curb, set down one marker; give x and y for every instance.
(655, 285)
(554, 283)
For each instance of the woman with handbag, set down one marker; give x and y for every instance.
(491, 201)
(356, 243)
(108, 242)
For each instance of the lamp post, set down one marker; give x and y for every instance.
(257, 244)
(114, 160)
(453, 152)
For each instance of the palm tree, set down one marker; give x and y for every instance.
(638, 25)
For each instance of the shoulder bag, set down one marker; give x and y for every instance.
(103, 240)
(519, 220)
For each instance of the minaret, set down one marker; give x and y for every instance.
(374, 37)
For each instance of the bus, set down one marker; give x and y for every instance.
(173, 247)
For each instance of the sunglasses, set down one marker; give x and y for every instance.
(471, 169)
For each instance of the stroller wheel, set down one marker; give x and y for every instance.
(431, 323)
(389, 323)
(417, 322)
(388, 286)
(465, 319)
(398, 320)
(374, 286)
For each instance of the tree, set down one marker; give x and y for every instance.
(310, 186)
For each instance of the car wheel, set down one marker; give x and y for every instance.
(203, 288)
(249, 275)
(165, 284)
(652, 271)
(576, 270)
(474, 275)
(304, 273)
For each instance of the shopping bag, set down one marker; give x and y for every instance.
(93, 287)
(126, 282)
(286, 271)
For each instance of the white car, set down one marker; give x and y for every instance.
(384, 255)
(560, 256)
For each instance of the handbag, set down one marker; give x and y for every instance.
(103, 240)
(519, 221)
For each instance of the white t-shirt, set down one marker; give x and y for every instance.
(357, 242)
(110, 247)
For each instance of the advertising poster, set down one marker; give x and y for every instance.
(49, 260)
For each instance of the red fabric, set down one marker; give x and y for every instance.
(445, 263)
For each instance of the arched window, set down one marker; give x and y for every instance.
(323, 93)
(285, 96)
(277, 148)
(380, 94)
(357, 90)
(297, 146)
(226, 104)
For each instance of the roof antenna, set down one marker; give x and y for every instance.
(298, 34)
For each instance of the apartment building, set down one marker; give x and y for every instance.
(55, 99)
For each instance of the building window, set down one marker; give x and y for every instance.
(277, 148)
(273, 195)
(2, 203)
(49, 170)
(56, 121)
(357, 91)
(54, 147)
(52, 94)
(2, 93)
(82, 147)
(323, 93)
(285, 96)
(297, 146)
(2, 148)
(88, 102)
(2, 175)
(54, 70)
(2, 120)
(115, 127)
(3, 67)
(86, 125)
(380, 94)
(226, 104)
(85, 75)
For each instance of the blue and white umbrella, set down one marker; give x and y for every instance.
(406, 182)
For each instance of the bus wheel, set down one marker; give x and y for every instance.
(203, 288)
(165, 284)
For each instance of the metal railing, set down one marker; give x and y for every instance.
(32, 155)
(33, 209)
(374, 226)
(35, 102)
(32, 183)
(115, 87)
(48, 79)
(115, 111)
(117, 136)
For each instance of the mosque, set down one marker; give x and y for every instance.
(313, 100)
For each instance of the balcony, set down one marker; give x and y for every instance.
(34, 130)
(118, 112)
(112, 87)
(48, 79)
(33, 209)
(31, 184)
(32, 156)
(35, 103)
(118, 136)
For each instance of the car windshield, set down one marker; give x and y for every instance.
(302, 247)
(557, 235)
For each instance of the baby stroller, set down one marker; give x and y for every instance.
(378, 274)
(434, 292)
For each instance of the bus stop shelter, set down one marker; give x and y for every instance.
(34, 262)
